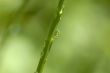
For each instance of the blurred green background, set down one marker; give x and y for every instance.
(83, 45)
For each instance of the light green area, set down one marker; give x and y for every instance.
(83, 45)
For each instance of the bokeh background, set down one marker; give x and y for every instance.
(83, 45)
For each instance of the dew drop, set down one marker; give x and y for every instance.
(52, 39)
(56, 33)
(61, 12)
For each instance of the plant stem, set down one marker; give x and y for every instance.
(49, 40)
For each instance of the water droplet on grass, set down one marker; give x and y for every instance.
(56, 33)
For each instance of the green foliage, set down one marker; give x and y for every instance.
(50, 37)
